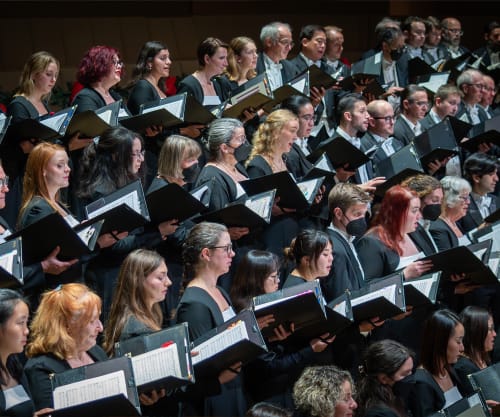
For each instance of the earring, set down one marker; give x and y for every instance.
(149, 67)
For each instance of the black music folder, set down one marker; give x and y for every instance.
(237, 340)
(106, 381)
(11, 264)
(300, 304)
(172, 202)
(418, 67)
(404, 158)
(165, 112)
(366, 69)
(487, 381)
(161, 359)
(382, 298)
(4, 125)
(92, 123)
(73, 242)
(472, 406)
(321, 168)
(471, 260)
(252, 95)
(436, 143)
(423, 290)
(485, 132)
(253, 213)
(122, 210)
(297, 86)
(292, 194)
(48, 127)
(493, 217)
(340, 152)
(319, 78)
(338, 318)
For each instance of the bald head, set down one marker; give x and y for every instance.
(381, 121)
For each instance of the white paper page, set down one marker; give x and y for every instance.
(106, 116)
(493, 264)
(90, 389)
(388, 292)
(435, 81)
(479, 253)
(220, 342)
(340, 308)
(130, 199)
(423, 285)
(323, 164)
(54, 122)
(86, 234)
(300, 85)
(308, 187)
(494, 235)
(279, 300)
(156, 364)
(7, 260)
(261, 206)
(198, 194)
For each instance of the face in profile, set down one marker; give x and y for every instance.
(156, 285)
(14, 332)
(455, 344)
(271, 282)
(46, 80)
(56, 173)
(87, 337)
(346, 405)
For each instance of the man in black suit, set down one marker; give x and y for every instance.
(451, 37)
(489, 93)
(470, 83)
(414, 30)
(481, 170)
(276, 39)
(433, 50)
(490, 53)
(414, 105)
(446, 102)
(333, 52)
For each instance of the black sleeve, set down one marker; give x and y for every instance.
(86, 102)
(374, 258)
(198, 317)
(18, 112)
(40, 386)
(441, 238)
(140, 94)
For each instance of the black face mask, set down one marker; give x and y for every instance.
(431, 211)
(404, 387)
(396, 54)
(356, 227)
(241, 152)
(190, 174)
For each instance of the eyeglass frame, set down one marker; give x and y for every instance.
(117, 63)
(140, 154)
(457, 31)
(386, 119)
(286, 42)
(228, 248)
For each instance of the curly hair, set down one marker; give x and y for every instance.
(318, 390)
(95, 64)
(264, 140)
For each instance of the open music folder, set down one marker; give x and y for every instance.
(74, 242)
(292, 194)
(340, 152)
(382, 298)
(487, 380)
(122, 210)
(92, 123)
(11, 264)
(297, 86)
(485, 132)
(237, 340)
(254, 212)
(101, 389)
(161, 359)
(300, 304)
(423, 290)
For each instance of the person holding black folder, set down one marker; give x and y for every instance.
(15, 395)
(271, 142)
(271, 375)
(436, 383)
(203, 84)
(30, 101)
(63, 336)
(414, 106)
(386, 371)
(115, 161)
(204, 305)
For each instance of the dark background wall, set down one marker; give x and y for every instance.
(68, 28)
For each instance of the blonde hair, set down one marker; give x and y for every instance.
(264, 140)
(235, 50)
(61, 316)
(36, 64)
(174, 150)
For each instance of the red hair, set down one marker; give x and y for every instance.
(96, 64)
(391, 217)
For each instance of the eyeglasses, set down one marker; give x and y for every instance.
(386, 119)
(490, 89)
(307, 117)
(117, 63)
(138, 155)
(228, 248)
(477, 85)
(464, 198)
(455, 31)
(420, 103)
(4, 182)
(491, 328)
(286, 42)
(240, 139)
(274, 278)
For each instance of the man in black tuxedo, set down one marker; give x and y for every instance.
(414, 106)
(276, 39)
(490, 53)
(451, 37)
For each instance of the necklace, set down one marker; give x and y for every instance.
(203, 78)
(276, 166)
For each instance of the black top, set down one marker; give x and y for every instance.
(39, 368)
(191, 85)
(25, 409)
(377, 259)
(474, 218)
(293, 280)
(134, 327)
(287, 69)
(258, 167)
(297, 163)
(444, 237)
(143, 92)
(90, 99)
(422, 240)
(463, 368)
(20, 108)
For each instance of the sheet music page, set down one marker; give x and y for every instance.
(423, 285)
(340, 308)
(131, 199)
(90, 389)
(122, 113)
(308, 187)
(493, 263)
(198, 194)
(105, 116)
(55, 122)
(435, 81)
(174, 107)
(262, 206)
(7, 260)
(494, 235)
(388, 292)
(323, 164)
(480, 253)
(247, 93)
(86, 234)
(300, 85)
(220, 341)
(279, 300)
(156, 364)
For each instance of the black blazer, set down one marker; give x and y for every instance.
(444, 237)
(258, 167)
(142, 92)
(287, 69)
(463, 368)
(191, 85)
(39, 368)
(474, 218)
(464, 115)
(376, 258)
(297, 163)
(403, 132)
(20, 108)
(90, 99)
(422, 240)
(345, 273)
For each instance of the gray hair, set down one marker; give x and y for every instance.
(271, 31)
(452, 187)
(467, 77)
(220, 131)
